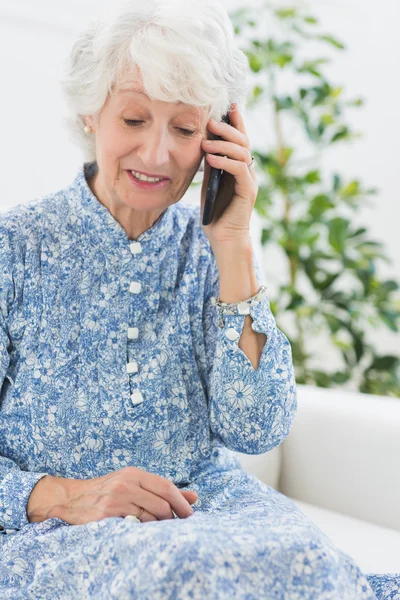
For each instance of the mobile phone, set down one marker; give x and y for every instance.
(214, 183)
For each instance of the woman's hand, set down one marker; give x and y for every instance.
(124, 492)
(238, 190)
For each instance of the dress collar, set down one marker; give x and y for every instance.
(99, 220)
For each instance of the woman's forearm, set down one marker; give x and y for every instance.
(238, 281)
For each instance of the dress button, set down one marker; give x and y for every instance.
(132, 367)
(232, 334)
(133, 333)
(136, 247)
(243, 308)
(135, 287)
(136, 398)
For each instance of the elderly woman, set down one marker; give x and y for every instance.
(125, 381)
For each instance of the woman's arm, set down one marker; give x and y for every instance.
(251, 384)
(15, 484)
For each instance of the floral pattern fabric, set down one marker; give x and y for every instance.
(111, 354)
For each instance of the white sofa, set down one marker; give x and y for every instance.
(340, 464)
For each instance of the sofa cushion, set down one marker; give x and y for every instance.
(266, 467)
(375, 549)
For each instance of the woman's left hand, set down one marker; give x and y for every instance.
(238, 190)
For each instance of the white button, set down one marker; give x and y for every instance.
(136, 247)
(133, 333)
(132, 367)
(135, 287)
(243, 308)
(232, 334)
(136, 398)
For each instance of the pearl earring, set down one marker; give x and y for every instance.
(87, 129)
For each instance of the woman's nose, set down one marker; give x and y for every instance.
(155, 150)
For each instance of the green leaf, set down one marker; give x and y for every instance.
(282, 60)
(327, 282)
(339, 299)
(301, 32)
(389, 285)
(283, 103)
(351, 189)
(266, 236)
(336, 92)
(296, 301)
(384, 363)
(340, 377)
(311, 66)
(331, 40)
(286, 13)
(312, 177)
(358, 232)
(338, 229)
(319, 205)
(263, 202)
(358, 345)
(322, 379)
(279, 53)
(257, 91)
(327, 119)
(333, 322)
(255, 63)
(357, 102)
(337, 182)
(310, 20)
(341, 134)
(390, 319)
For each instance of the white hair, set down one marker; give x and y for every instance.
(184, 49)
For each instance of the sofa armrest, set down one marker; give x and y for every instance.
(342, 454)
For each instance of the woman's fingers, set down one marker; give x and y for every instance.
(167, 491)
(152, 504)
(157, 508)
(190, 495)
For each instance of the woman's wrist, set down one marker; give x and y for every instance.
(49, 498)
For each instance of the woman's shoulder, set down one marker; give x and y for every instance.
(23, 220)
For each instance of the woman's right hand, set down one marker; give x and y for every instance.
(126, 492)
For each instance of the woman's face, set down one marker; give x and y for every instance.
(135, 133)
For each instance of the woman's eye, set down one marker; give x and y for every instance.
(131, 122)
(186, 132)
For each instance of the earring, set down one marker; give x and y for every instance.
(87, 129)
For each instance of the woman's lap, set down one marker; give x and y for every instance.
(245, 540)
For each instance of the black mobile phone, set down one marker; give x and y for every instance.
(214, 183)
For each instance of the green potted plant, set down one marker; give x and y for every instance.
(332, 287)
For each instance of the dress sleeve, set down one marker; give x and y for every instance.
(15, 484)
(250, 410)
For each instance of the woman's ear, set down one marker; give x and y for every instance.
(88, 121)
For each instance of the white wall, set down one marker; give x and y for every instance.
(36, 158)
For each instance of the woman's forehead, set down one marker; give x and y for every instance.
(131, 93)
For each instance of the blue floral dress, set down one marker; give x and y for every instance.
(111, 354)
